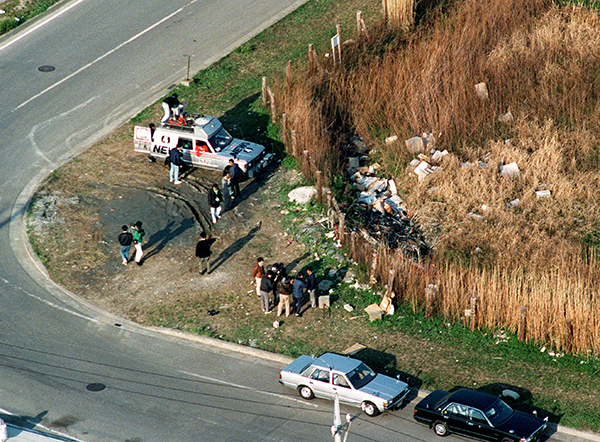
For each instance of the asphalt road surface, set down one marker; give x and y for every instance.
(67, 79)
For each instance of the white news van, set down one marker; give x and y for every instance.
(205, 143)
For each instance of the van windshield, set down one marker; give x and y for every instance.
(220, 140)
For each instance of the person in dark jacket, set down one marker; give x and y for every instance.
(125, 239)
(214, 201)
(176, 160)
(235, 176)
(284, 291)
(311, 286)
(266, 285)
(203, 252)
(298, 287)
(172, 108)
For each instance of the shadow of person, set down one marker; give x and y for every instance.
(20, 423)
(160, 239)
(233, 248)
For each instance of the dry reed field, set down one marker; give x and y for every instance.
(540, 63)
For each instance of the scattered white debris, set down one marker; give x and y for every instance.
(302, 195)
(511, 170)
(348, 307)
(391, 139)
(542, 193)
(482, 90)
(507, 117)
(513, 203)
(415, 145)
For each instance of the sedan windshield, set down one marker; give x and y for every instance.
(498, 412)
(361, 376)
(220, 140)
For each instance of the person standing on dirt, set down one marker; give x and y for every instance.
(203, 252)
(138, 238)
(298, 287)
(258, 272)
(214, 201)
(235, 176)
(284, 290)
(125, 239)
(311, 287)
(175, 158)
(266, 285)
(226, 189)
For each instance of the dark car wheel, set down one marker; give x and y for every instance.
(370, 409)
(306, 392)
(440, 429)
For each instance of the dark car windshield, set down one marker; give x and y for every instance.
(498, 412)
(361, 376)
(220, 140)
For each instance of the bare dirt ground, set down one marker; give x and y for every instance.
(84, 204)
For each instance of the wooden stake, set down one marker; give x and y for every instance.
(288, 75)
(294, 144)
(569, 337)
(306, 163)
(338, 29)
(372, 276)
(311, 59)
(353, 251)
(273, 106)
(522, 323)
(473, 312)
(429, 295)
(384, 11)
(390, 285)
(319, 186)
(342, 228)
(284, 129)
(264, 92)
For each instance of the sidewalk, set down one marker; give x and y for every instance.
(20, 434)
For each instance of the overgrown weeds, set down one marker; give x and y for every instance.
(495, 236)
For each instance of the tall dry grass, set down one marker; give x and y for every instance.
(540, 62)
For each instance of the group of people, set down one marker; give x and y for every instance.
(276, 281)
(135, 237)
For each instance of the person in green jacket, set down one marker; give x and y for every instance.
(138, 238)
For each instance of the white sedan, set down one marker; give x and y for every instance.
(352, 380)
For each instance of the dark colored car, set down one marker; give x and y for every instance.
(479, 415)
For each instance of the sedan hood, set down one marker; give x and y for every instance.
(385, 387)
(525, 423)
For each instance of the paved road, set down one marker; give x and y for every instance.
(63, 363)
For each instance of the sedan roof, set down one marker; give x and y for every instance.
(341, 363)
(472, 398)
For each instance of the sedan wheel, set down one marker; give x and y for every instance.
(440, 429)
(370, 409)
(306, 392)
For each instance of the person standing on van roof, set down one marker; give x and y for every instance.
(172, 107)
(175, 157)
(235, 175)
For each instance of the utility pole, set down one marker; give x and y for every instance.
(337, 428)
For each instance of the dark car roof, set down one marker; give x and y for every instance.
(472, 398)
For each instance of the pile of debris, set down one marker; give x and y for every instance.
(379, 212)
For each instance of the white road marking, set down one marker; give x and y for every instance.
(31, 135)
(81, 69)
(50, 303)
(268, 393)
